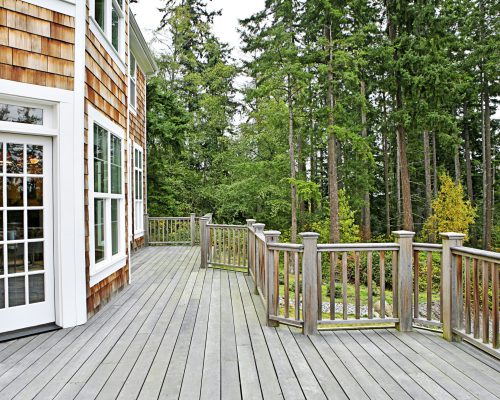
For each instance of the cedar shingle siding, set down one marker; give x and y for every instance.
(36, 45)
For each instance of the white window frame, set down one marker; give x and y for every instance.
(132, 78)
(138, 203)
(105, 35)
(111, 263)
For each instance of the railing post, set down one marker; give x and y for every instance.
(250, 247)
(204, 242)
(146, 229)
(272, 278)
(259, 230)
(452, 295)
(193, 228)
(310, 282)
(405, 280)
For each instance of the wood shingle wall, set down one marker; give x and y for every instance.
(36, 45)
(106, 90)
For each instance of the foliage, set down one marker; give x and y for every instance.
(451, 212)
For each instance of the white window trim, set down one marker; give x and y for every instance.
(133, 108)
(105, 268)
(139, 232)
(104, 36)
(49, 126)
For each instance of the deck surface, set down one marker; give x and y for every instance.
(182, 332)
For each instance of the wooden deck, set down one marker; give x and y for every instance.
(184, 332)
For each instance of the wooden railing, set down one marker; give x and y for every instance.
(172, 230)
(474, 285)
(315, 286)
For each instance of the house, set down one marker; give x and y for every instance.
(72, 157)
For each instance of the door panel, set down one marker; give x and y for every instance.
(26, 232)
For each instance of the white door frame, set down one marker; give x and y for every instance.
(68, 191)
(19, 317)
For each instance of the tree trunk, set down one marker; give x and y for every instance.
(366, 232)
(427, 170)
(487, 171)
(333, 188)
(398, 183)
(293, 175)
(434, 164)
(457, 165)
(468, 162)
(385, 148)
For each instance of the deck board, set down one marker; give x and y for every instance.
(179, 331)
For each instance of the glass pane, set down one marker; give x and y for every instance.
(15, 225)
(1, 260)
(35, 192)
(35, 257)
(2, 293)
(136, 186)
(114, 226)
(15, 158)
(1, 226)
(1, 157)
(15, 258)
(1, 190)
(36, 286)
(16, 291)
(15, 192)
(100, 159)
(115, 24)
(99, 229)
(133, 96)
(140, 185)
(116, 165)
(24, 115)
(35, 224)
(99, 12)
(132, 66)
(35, 159)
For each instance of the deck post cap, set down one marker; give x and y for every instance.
(403, 234)
(308, 235)
(272, 233)
(452, 235)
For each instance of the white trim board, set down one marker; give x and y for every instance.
(68, 189)
(62, 6)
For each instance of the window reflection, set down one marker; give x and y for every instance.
(19, 114)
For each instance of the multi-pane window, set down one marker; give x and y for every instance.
(108, 194)
(133, 81)
(109, 15)
(138, 190)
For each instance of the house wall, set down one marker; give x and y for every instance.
(37, 45)
(106, 90)
(138, 135)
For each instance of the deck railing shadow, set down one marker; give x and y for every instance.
(445, 287)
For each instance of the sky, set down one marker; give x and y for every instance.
(225, 26)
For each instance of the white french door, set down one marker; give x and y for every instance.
(26, 232)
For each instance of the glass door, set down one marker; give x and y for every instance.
(26, 237)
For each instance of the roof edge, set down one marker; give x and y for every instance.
(140, 48)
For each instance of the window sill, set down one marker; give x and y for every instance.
(115, 55)
(138, 234)
(132, 109)
(100, 272)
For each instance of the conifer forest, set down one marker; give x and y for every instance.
(350, 118)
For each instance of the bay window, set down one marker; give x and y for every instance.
(106, 195)
(138, 190)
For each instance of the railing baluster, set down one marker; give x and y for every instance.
(494, 283)
(319, 286)
(429, 286)
(357, 299)
(476, 298)
(369, 273)
(416, 288)
(286, 276)
(486, 302)
(297, 285)
(395, 288)
(467, 296)
(382, 284)
(344, 285)
(333, 264)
